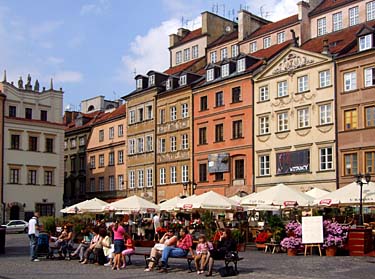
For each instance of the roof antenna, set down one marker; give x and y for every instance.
(135, 71)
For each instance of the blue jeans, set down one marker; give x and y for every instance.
(173, 252)
(33, 246)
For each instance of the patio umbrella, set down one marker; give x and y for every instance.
(236, 199)
(317, 193)
(133, 204)
(280, 195)
(170, 205)
(94, 205)
(349, 195)
(211, 201)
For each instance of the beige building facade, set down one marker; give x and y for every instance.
(2, 101)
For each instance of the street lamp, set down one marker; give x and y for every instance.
(194, 187)
(360, 182)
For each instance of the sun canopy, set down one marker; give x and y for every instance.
(94, 205)
(133, 204)
(170, 205)
(317, 193)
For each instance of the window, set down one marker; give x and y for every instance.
(280, 37)
(12, 111)
(350, 119)
(365, 42)
(263, 94)
(173, 174)
(234, 50)
(282, 122)
(139, 83)
(31, 177)
(186, 54)
(337, 21)
(223, 53)
(73, 143)
(140, 114)
(112, 185)
(173, 113)
(194, 51)
(219, 132)
(351, 164)
(185, 173)
(101, 184)
(101, 160)
(120, 130)
(131, 148)
(237, 129)
(202, 135)
(370, 162)
(239, 169)
(149, 179)
(213, 57)
(350, 81)
(210, 75)
(140, 145)
(14, 176)
(182, 80)
(33, 143)
(151, 80)
(162, 146)
(82, 141)
(65, 145)
(353, 16)
(162, 176)
(178, 57)
(120, 157)
(322, 26)
(82, 187)
(282, 88)
(169, 84)
(236, 94)
(184, 141)
(324, 79)
(241, 65)
(92, 162)
(202, 172)
(149, 143)
(92, 184)
(45, 209)
(253, 47)
(219, 176)
(141, 179)
(370, 10)
(101, 135)
(266, 42)
(131, 179)
(325, 155)
(264, 165)
(48, 177)
(162, 116)
(72, 163)
(303, 118)
(111, 132)
(43, 115)
(369, 77)
(149, 113)
(28, 113)
(184, 110)
(82, 164)
(173, 141)
(49, 145)
(131, 117)
(303, 84)
(225, 70)
(325, 113)
(203, 103)
(15, 142)
(264, 125)
(219, 101)
(370, 116)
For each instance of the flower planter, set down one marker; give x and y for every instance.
(292, 252)
(331, 251)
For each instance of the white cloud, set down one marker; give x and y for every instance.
(274, 9)
(68, 76)
(95, 9)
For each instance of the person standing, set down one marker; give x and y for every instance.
(156, 223)
(33, 233)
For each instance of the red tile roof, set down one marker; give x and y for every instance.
(182, 67)
(274, 26)
(120, 111)
(189, 37)
(327, 5)
(268, 53)
(92, 116)
(224, 38)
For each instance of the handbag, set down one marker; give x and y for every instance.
(227, 271)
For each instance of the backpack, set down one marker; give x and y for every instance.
(227, 271)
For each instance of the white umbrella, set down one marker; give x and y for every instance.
(280, 195)
(209, 200)
(132, 204)
(349, 195)
(94, 205)
(170, 205)
(317, 193)
(236, 198)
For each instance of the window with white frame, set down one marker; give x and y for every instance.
(182, 80)
(131, 116)
(149, 143)
(178, 57)
(173, 141)
(140, 114)
(195, 52)
(101, 138)
(149, 112)
(92, 162)
(365, 42)
(350, 81)
(369, 76)
(223, 53)
(326, 158)
(173, 173)
(234, 50)
(184, 110)
(149, 180)
(151, 80)
(303, 84)
(225, 70)
(162, 176)
(263, 93)
(120, 130)
(131, 179)
(266, 42)
(264, 125)
(210, 74)
(173, 113)
(280, 37)
(120, 182)
(168, 84)
(140, 145)
(184, 141)
(186, 54)
(101, 184)
(213, 57)
(141, 179)
(325, 114)
(337, 21)
(264, 165)
(322, 26)
(370, 10)
(111, 159)
(139, 83)
(282, 122)
(112, 186)
(353, 16)
(324, 78)
(282, 88)
(184, 173)
(111, 133)
(162, 116)
(253, 47)
(303, 118)
(82, 141)
(241, 65)
(131, 148)
(101, 160)
(162, 145)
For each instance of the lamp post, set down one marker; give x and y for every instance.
(360, 182)
(188, 189)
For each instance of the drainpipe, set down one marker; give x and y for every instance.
(154, 174)
(192, 140)
(253, 136)
(336, 123)
(2, 160)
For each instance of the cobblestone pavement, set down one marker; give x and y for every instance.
(15, 264)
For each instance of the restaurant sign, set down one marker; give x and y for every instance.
(293, 162)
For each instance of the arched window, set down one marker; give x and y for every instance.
(91, 108)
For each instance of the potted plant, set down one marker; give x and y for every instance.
(294, 239)
(238, 235)
(262, 237)
(335, 236)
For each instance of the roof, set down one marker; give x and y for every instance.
(191, 36)
(182, 67)
(92, 116)
(327, 5)
(35, 121)
(268, 53)
(120, 111)
(224, 38)
(275, 26)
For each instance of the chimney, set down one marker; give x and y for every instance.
(248, 23)
(303, 10)
(173, 40)
(182, 32)
(67, 117)
(325, 50)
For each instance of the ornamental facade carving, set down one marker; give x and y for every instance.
(292, 62)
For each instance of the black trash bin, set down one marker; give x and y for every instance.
(3, 230)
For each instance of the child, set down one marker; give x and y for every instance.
(203, 253)
(129, 243)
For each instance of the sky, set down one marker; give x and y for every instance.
(95, 47)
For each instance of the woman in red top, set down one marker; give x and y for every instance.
(129, 244)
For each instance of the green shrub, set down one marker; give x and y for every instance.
(48, 224)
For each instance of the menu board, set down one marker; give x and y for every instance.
(312, 229)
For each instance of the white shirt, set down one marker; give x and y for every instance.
(33, 222)
(156, 221)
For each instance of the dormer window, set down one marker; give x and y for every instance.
(234, 49)
(241, 65)
(182, 80)
(365, 42)
(210, 75)
(139, 83)
(225, 70)
(267, 42)
(151, 80)
(253, 47)
(168, 85)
